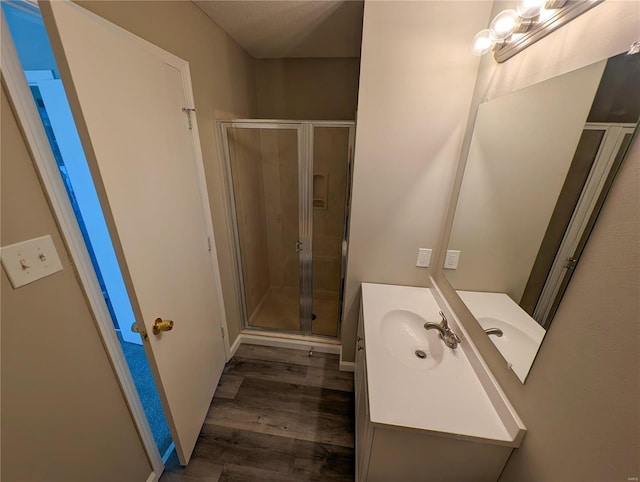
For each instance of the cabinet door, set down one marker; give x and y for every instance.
(364, 428)
(359, 362)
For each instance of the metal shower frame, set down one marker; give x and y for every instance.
(305, 137)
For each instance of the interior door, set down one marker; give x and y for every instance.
(86, 200)
(128, 98)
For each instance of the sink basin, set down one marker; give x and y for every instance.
(522, 334)
(517, 347)
(512, 334)
(403, 335)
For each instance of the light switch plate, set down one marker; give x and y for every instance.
(424, 258)
(30, 260)
(451, 259)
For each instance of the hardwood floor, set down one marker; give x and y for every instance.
(277, 415)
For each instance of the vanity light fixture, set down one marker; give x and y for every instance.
(505, 23)
(482, 42)
(530, 8)
(514, 30)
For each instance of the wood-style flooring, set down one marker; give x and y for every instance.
(277, 415)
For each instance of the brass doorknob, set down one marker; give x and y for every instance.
(162, 325)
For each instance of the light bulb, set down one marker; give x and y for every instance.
(504, 24)
(482, 42)
(530, 8)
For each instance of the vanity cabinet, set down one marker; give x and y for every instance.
(395, 442)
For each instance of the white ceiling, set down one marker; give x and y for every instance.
(290, 28)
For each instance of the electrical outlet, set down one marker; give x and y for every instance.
(424, 258)
(451, 260)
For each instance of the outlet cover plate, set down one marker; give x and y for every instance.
(424, 258)
(451, 259)
(31, 260)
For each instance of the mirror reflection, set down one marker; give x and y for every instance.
(540, 163)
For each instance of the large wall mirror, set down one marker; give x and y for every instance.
(540, 163)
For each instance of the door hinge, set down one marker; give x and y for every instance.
(222, 331)
(570, 263)
(189, 110)
(209, 242)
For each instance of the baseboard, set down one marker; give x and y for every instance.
(316, 345)
(235, 346)
(167, 453)
(153, 477)
(346, 366)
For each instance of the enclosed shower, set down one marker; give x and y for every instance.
(289, 185)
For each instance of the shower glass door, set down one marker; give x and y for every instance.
(268, 178)
(289, 184)
(331, 167)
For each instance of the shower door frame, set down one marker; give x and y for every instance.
(305, 137)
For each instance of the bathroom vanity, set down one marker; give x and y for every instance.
(424, 411)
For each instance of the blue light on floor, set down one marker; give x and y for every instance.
(146, 387)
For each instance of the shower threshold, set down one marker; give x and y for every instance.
(320, 344)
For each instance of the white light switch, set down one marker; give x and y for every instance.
(424, 258)
(30, 260)
(451, 260)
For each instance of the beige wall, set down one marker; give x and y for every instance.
(64, 417)
(580, 401)
(416, 82)
(314, 89)
(223, 79)
(522, 146)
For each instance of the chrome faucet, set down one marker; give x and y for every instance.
(494, 331)
(449, 337)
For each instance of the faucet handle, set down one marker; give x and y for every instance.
(444, 322)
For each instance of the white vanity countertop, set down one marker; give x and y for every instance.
(447, 398)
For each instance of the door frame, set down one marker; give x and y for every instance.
(305, 131)
(569, 250)
(22, 101)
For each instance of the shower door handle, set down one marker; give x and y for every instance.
(298, 246)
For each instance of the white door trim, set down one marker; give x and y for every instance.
(29, 119)
(607, 152)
